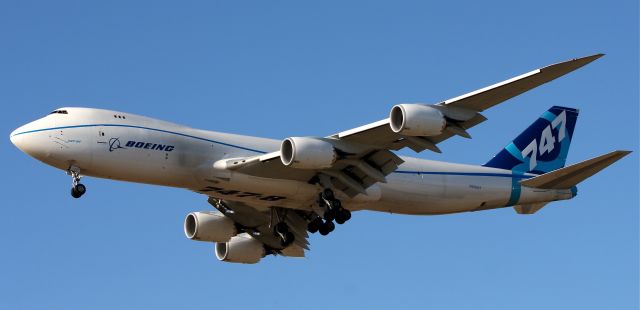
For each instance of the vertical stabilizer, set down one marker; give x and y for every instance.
(543, 146)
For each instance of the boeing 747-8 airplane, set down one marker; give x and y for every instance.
(268, 194)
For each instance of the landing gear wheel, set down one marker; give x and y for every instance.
(314, 225)
(340, 218)
(329, 215)
(328, 194)
(78, 190)
(346, 214)
(323, 230)
(282, 228)
(342, 215)
(330, 226)
(75, 194)
(326, 228)
(288, 239)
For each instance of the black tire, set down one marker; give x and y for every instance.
(340, 219)
(326, 228)
(329, 215)
(336, 204)
(289, 237)
(314, 226)
(328, 194)
(74, 193)
(282, 228)
(330, 226)
(323, 230)
(80, 188)
(346, 214)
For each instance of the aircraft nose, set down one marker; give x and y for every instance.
(23, 139)
(16, 138)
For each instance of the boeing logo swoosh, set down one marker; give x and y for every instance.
(114, 144)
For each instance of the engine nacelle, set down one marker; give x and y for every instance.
(240, 249)
(307, 153)
(416, 120)
(209, 226)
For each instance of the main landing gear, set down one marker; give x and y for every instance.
(77, 189)
(286, 237)
(332, 211)
(281, 229)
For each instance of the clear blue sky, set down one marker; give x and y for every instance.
(282, 68)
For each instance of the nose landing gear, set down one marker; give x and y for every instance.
(77, 189)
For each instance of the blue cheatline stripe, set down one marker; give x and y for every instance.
(516, 189)
(147, 128)
(479, 174)
(475, 174)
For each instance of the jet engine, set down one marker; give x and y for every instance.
(416, 120)
(240, 249)
(307, 153)
(209, 226)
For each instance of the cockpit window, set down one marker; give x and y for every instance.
(59, 112)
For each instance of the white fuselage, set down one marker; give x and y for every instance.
(127, 147)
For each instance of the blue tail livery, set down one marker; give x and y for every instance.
(541, 148)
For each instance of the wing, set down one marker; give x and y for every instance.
(463, 112)
(363, 155)
(259, 224)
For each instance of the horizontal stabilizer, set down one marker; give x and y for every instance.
(566, 178)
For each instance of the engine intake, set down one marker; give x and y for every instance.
(209, 226)
(240, 249)
(416, 120)
(307, 153)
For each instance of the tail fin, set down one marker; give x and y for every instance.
(541, 148)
